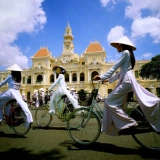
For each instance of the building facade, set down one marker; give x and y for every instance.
(80, 69)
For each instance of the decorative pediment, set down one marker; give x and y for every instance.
(94, 62)
(66, 59)
(39, 66)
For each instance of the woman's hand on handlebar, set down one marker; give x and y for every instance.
(106, 80)
(50, 91)
(97, 77)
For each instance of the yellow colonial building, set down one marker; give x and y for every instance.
(80, 69)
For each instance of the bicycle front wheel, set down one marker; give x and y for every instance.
(84, 126)
(42, 117)
(150, 140)
(18, 123)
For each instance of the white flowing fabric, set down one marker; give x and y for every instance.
(114, 116)
(14, 93)
(149, 103)
(61, 90)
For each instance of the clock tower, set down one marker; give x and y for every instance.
(68, 46)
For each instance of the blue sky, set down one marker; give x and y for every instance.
(27, 25)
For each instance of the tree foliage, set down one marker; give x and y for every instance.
(151, 69)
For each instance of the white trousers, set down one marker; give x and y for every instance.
(114, 116)
(56, 96)
(14, 94)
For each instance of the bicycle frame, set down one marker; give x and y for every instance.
(15, 118)
(10, 107)
(94, 107)
(43, 118)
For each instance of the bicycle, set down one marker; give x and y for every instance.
(88, 125)
(31, 104)
(62, 111)
(16, 117)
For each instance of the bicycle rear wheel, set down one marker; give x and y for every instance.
(18, 122)
(86, 126)
(150, 140)
(42, 117)
(144, 135)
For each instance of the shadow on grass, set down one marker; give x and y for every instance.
(24, 154)
(3, 134)
(49, 128)
(110, 148)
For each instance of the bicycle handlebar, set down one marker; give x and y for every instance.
(99, 81)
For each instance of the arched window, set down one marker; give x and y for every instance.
(28, 95)
(94, 73)
(67, 77)
(74, 77)
(158, 91)
(82, 77)
(136, 74)
(148, 89)
(39, 78)
(109, 91)
(29, 80)
(23, 80)
(52, 78)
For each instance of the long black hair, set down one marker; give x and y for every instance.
(129, 48)
(16, 76)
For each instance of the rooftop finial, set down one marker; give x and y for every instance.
(68, 25)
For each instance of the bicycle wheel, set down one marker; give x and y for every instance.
(144, 135)
(150, 140)
(86, 126)
(18, 122)
(42, 117)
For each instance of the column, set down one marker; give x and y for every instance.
(44, 78)
(70, 77)
(78, 77)
(55, 77)
(88, 76)
(101, 72)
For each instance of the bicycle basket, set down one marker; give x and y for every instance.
(87, 100)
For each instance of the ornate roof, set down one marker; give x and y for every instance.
(94, 47)
(42, 52)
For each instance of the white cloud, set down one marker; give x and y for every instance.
(115, 33)
(136, 8)
(16, 17)
(146, 18)
(146, 55)
(149, 25)
(104, 2)
(12, 54)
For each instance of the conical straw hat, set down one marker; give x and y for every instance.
(41, 89)
(55, 67)
(14, 67)
(35, 91)
(124, 40)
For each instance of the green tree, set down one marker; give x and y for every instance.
(151, 69)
